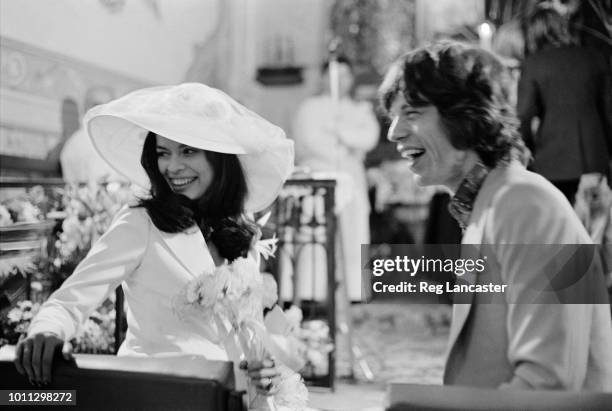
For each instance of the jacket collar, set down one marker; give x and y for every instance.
(462, 203)
(190, 249)
(491, 183)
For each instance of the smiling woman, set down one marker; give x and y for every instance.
(182, 144)
(185, 169)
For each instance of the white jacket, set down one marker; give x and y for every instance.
(153, 267)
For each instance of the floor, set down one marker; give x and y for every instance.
(399, 342)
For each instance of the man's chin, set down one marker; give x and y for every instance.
(422, 181)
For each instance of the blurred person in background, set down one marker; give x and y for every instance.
(79, 159)
(333, 137)
(562, 103)
(453, 123)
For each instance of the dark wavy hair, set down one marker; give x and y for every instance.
(545, 27)
(219, 212)
(470, 87)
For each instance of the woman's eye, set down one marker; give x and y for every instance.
(189, 151)
(161, 154)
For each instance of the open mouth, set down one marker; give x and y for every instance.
(178, 183)
(412, 153)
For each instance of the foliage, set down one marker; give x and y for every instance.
(95, 337)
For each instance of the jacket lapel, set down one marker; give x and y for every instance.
(473, 236)
(190, 250)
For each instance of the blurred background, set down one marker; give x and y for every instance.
(58, 58)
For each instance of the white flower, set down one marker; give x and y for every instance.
(292, 392)
(294, 316)
(267, 248)
(29, 213)
(243, 278)
(14, 316)
(269, 290)
(5, 216)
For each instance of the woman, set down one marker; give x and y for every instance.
(205, 160)
(563, 86)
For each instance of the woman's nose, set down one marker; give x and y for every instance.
(175, 164)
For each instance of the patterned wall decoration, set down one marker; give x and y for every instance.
(374, 34)
(35, 90)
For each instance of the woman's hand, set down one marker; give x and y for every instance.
(34, 356)
(263, 374)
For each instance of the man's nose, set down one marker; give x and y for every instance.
(392, 134)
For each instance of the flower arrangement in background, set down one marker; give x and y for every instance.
(16, 321)
(87, 213)
(95, 337)
(89, 210)
(30, 206)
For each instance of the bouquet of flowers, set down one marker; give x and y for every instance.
(234, 295)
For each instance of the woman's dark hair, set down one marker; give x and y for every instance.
(470, 87)
(218, 213)
(545, 27)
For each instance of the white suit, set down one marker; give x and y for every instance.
(335, 138)
(153, 267)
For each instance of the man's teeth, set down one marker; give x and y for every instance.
(412, 153)
(178, 182)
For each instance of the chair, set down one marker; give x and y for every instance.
(106, 382)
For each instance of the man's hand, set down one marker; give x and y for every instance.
(34, 356)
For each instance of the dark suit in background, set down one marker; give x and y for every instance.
(565, 87)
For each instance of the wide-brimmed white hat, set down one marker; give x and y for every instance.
(198, 116)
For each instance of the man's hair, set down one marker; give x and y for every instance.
(470, 88)
(219, 212)
(545, 27)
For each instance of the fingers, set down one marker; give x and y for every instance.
(34, 357)
(26, 359)
(67, 351)
(19, 358)
(258, 365)
(267, 386)
(47, 362)
(38, 348)
(263, 375)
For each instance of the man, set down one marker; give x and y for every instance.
(452, 122)
(332, 136)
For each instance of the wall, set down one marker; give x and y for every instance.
(53, 51)
(152, 41)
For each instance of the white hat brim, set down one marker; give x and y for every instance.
(198, 116)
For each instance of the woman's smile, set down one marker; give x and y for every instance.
(186, 169)
(181, 182)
